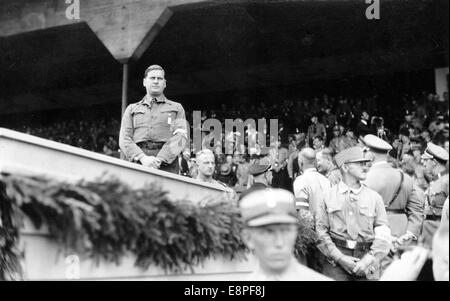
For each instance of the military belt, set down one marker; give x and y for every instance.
(150, 144)
(395, 211)
(351, 244)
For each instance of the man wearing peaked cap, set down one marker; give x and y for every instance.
(270, 230)
(435, 160)
(376, 143)
(351, 223)
(261, 172)
(436, 152)
(403, 200)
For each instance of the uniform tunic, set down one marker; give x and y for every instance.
(385, 180)
(157, 120)
(311, 186)
(350, 214)
(435, 198)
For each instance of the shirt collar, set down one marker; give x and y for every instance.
(147, 99)
(311, 169)
(343, 188)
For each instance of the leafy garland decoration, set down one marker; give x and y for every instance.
(106, 219)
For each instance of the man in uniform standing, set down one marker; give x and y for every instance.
(315, 129)
(153, 131)
(352, 224)
(402, 199)
(310, 186)
(435, 161)
(270, 230)
(262, 176)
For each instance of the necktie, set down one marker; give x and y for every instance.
(352, 221)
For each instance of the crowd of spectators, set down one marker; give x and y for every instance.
(98, 135)
(326, 123)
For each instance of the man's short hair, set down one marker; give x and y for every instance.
(154, 67)
(204, 151)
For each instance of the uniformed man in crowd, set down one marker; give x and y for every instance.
(310, 186)
(363, 127)
(315, 129)
(261, 172)
(154, 131)
(403, 200)
(270, 231)
(352, 224)
(435, 161)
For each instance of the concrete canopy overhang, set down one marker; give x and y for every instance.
(51, 62)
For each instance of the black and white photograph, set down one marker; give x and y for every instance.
(221, 145)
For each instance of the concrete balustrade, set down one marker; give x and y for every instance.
(29, 155)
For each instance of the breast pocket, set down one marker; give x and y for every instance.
(367, 219)
(138, 118)
(336, 218)
(167, 117)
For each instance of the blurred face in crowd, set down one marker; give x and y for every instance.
(417, 154)
(324, 165)
(429, 164)
(408, 118)
(426, 136)
(206, 164)
(404, 139)
(365, 116)
(396, 143)
(229, 159)
(313, 119)
(336, 132)
(350, 134)
(273, 245)
(218, 150)
(357, 170)
(155, 82)
(317, 143)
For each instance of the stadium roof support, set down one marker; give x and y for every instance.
(125, 27)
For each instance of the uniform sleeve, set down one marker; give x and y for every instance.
(414, 210)
(126, 143)
(325, 244)
(290, 166)
(441, 193)
(177, 143)
(381, 244)
(301, 193)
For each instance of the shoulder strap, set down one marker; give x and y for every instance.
(398, 189)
